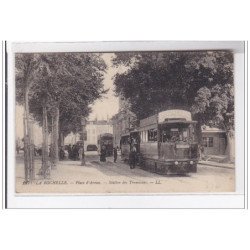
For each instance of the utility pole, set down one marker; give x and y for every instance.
(82, 155)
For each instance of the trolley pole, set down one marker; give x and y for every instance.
(82, 155)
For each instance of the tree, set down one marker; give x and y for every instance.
(155, 81)
(74, 82)
(65, 85)
(217, 105)
(25, 69)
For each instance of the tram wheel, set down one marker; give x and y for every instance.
(165, 170)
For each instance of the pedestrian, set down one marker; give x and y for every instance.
(80, 153)
(75, 152)
(115, 153)
(103, 154)
(70, 151)
(202, 155)
(132, 157)
(61, 153)
(17, 149)
(50, 151)
(66, 154)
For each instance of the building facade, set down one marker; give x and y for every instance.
(123, 121)
(214, 141)
(95, 128)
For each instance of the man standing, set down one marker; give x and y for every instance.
(115, 154)
(132, 157)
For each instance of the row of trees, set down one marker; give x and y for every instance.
(56, 89)
(201, 82)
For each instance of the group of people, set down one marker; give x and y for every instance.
(70, 152)
(73, 152)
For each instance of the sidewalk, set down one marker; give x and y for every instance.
(217, 164)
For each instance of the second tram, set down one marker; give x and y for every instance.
(106, 140)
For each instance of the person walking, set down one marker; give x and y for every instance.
(70, 152)
(115, 154)
(61, 153)
(201, 152)
(103, 154)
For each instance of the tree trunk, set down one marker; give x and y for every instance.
(26, 149)
(45, 163)
(61, 139)
(28, 166)
(54, 136)
(31, 152)
(199, 132)
(56, 133)
(52, 143)
(230, 146)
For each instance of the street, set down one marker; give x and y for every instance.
(109, 177)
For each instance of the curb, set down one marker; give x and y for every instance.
(216, 166)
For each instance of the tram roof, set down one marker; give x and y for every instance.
(167, 116)
(174, 114)
(177, 121)
(106, 134)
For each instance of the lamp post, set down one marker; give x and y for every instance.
(82, 155)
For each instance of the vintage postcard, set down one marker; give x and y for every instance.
(111, 119)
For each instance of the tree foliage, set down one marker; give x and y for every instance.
(69, 81)
(201, 82)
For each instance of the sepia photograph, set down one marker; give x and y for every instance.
(125, 122)
(124, 125)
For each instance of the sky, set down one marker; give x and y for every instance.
(102, 109)
(108, 106)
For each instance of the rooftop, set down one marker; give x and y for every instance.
(212, 129)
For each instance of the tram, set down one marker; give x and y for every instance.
(165, 143)
(106, 140)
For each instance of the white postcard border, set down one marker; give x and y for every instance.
(206, 200)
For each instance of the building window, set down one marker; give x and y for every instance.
(208, 142)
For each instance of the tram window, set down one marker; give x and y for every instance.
(152, 135)
(183, 135)
(145, 136)
(191, 132)
(141, 134)
(169, 134)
